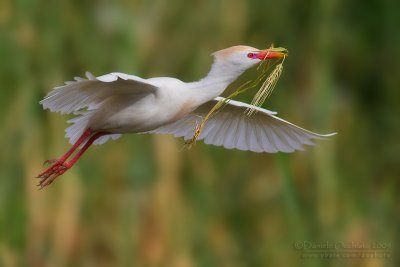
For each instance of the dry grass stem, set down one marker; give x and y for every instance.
(266, 88)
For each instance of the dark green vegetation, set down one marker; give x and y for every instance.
(140, 201)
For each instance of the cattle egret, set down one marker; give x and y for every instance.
(117, 103)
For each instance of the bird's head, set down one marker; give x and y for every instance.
(245, 57)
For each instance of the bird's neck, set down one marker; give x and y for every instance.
(216, 81)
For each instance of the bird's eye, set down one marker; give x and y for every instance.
(250, 55)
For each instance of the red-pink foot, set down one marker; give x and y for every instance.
(50, 174)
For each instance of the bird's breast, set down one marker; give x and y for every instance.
(187, 107)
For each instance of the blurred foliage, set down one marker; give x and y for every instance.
(141, 201)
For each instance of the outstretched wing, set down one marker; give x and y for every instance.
(89, 93)
(232, 128)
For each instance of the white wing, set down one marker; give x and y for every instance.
(89, 93)
(232, 128)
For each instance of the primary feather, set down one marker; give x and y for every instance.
(231, 128)
(91, 92)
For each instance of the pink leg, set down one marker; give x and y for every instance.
(60, 167)
(86, 134)
(84, 148)
(56, 163)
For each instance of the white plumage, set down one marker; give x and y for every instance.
(232, 128)
(116, 103)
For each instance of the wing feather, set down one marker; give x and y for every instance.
(231, 128)
(89, 93)
(258, 137)
(229, 133)
(270, 139)
(281, 141)
(292, 141)
(219, 133)
(241, 139)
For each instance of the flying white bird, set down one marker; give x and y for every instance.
(117, 103)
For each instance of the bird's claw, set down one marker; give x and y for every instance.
(51, 173)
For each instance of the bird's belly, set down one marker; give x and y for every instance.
(145, 115)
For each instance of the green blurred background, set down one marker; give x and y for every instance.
(142, 200)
